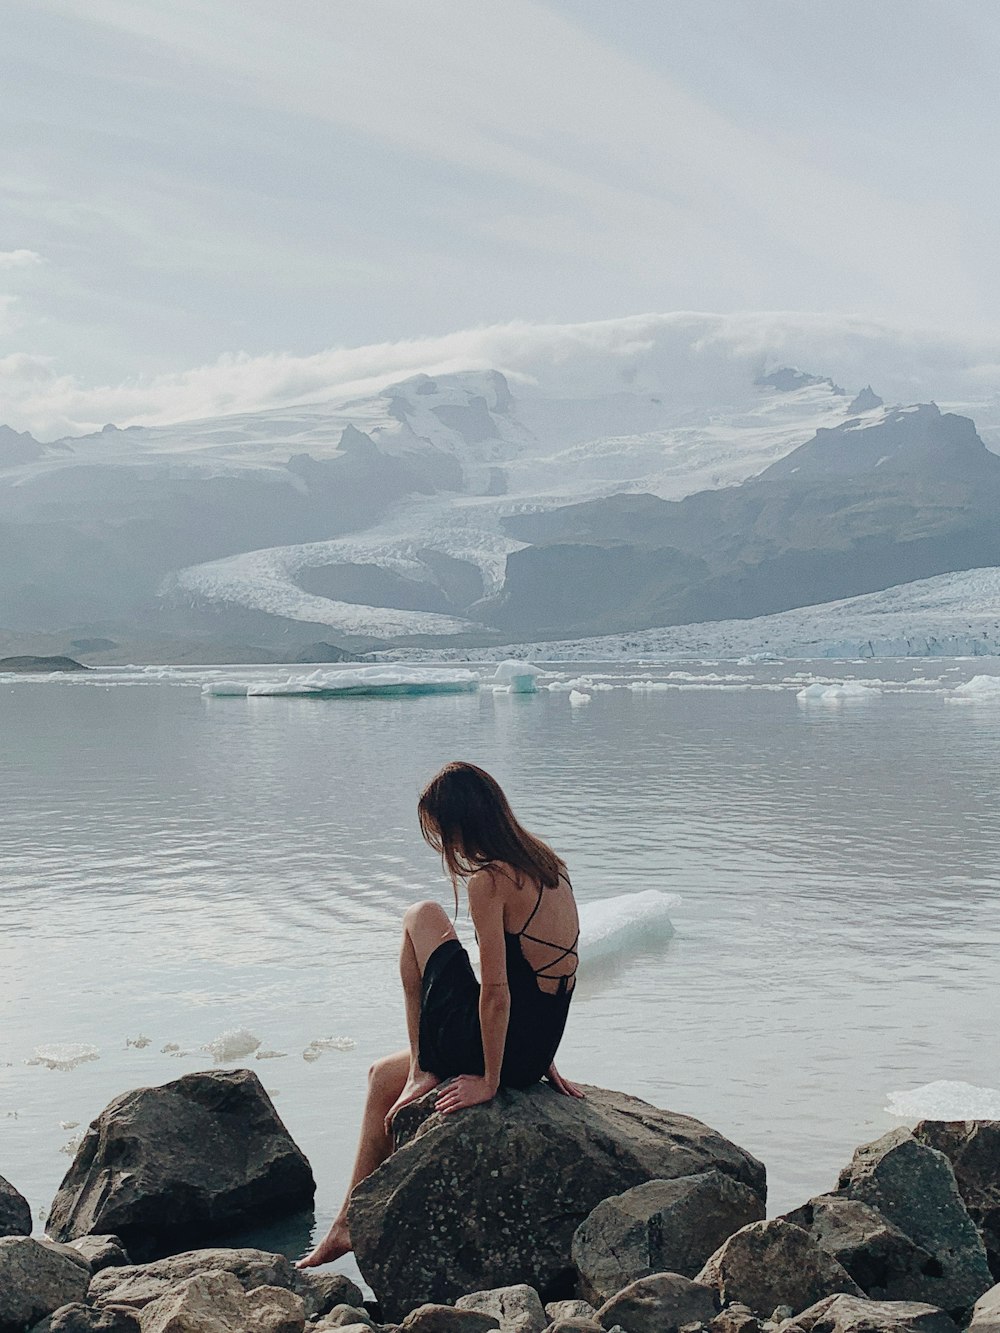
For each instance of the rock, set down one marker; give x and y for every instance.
(661, 1303)
(573, 1325)
(849, 1314)
(493, 1196)
(207, 1303)
(431, 1318)
(138, 1284)
(274, 1310)
(774, 1263)
(570, 1310)
(914, 1187)
(349, 1328)
(973, 1148)
(35, 1280)
(736, 1318)
(661, 1226)
(164, 1167)
(101, 1251)
(518, 1308)
(322, 1293)
(79, 1318)
(32, 664)
(885, 1263)
(344, 1316)
(15, 1214)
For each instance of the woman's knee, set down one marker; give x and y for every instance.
(418, 916)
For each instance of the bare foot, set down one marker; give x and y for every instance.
(334, 1245)
(416, 1085)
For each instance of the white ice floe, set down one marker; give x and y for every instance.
(270, 1055)
(946, 1100)
(515, 677)
(64, 1055)
(612, 925)
(140, 1043)
(333, 1044)
(235, 1044)
(980, 689)
(577, 698)
(844, 690)
(360, 682)
(68, 1124)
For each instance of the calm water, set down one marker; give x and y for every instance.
(174, 866)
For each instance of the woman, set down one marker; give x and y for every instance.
(479, 1037)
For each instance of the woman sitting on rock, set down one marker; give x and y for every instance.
(503, 1033)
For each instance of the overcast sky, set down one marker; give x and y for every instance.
(182, 179)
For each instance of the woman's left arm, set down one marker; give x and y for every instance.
(486, 905)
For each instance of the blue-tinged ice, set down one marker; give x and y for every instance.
(632, 920)
(362, 682)
(946, 1100)
(515, 677)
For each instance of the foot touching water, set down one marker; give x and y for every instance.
(334, 1245)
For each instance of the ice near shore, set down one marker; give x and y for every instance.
(946, 1099)
(363, 682)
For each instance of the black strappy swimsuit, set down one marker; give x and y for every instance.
(450, 1036)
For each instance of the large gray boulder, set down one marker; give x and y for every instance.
(849, 1314)
(80, 1318)
(36, 1279)
(660, 1303)
(492, 1196)
(973, 1148)
(885, 1263)
(914, 1187)
(167, 1167)
(767, 1264)
(207, 1303)
(518, 1309)
(15, 1215)
(101, 1251)
(137, 1285)
(661, 1226)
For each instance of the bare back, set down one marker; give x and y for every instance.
(545, 921)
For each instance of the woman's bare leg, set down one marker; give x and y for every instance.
(385, 1081)
(425, 926)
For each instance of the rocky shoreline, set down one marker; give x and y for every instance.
(533, 1214)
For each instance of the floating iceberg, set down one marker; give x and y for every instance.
(946, 1100)
(980, 689)
(847, 689)
(64, 1055)
(515, 677)
(235, 1044)
(361, 682)
(631, 920)
(577, 700)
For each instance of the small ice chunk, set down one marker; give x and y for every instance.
(270, 1055)
(64, 1055)
(517, 677)
(235, 1044)
(847, 689)
(612, 926)
(140, 1043)
(68, 1124)
(577, 699)
(70, 1147)
(946, 1100)
(333, 1044)
(310, 1053)
(170, 1048)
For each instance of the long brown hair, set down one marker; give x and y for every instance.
(465, 816)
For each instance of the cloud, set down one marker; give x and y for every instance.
(13, 259)
(688, 356)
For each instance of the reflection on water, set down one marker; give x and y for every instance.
(174, 866)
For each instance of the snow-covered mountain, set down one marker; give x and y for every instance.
(429, 507)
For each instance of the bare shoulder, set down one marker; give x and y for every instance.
(485, 886)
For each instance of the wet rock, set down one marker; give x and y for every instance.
(137, 1285)
(986, 1312)
(885, 1263)
(15, 1214)
(661, 1226)
(35, 1280)
(736, 1318)
(775, 1263)
(274, 1310)
(973, 1148)
(343, 1316)
(850, 1314)
(572, 1309)
(432, 1318)
(493, 1196)
(914, 1187)
(101, 1251)
(207, 1303)
(162, 1167)
(80, 1318)
(661, 1303)
(518, 1309)
(322, 1293)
